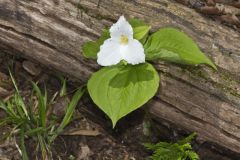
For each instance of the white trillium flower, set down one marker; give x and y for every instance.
(121, 46)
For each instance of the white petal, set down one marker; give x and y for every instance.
(109, 53)
(122, 27)
(134, 53)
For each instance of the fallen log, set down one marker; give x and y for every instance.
(199, 99)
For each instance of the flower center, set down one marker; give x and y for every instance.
(123, 40)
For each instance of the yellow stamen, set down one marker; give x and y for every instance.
(124, 39)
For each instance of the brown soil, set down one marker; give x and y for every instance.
(98, 141)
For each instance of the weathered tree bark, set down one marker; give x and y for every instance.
(199, 99)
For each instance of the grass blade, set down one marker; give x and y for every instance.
(69, 112)
(10, 110)
(14, 82)
(42, 100)
(33, 131)
(63, 90)
(18, 99)
(22, 145)
(71, 107)
(2, 105)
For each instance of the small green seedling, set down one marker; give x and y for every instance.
(182, 150)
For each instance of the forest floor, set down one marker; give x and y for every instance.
(90, 136)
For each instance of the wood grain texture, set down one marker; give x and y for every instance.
(199, 99)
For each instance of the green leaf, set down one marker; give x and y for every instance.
(22, 145)
(32, 132)
(90, 49)
(182, 150)
(119, 90)
(71, 107)
(170, 44)
(21, 107)
(42, 107)
(69, 113)
(188, 139)
(63, 90)
(137, 22)
(140, 30)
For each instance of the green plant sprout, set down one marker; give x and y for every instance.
(127, 81)
(32, 119)
(182, 150)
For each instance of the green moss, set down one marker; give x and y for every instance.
(80, 7)
(88, 11)
(235, 94)
(225, 83)
(199, 73)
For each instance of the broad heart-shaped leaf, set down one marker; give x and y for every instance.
(90, 49)
(140, 32)
(119, 90)
(172, 45)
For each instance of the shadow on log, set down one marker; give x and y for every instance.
(199, 99)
